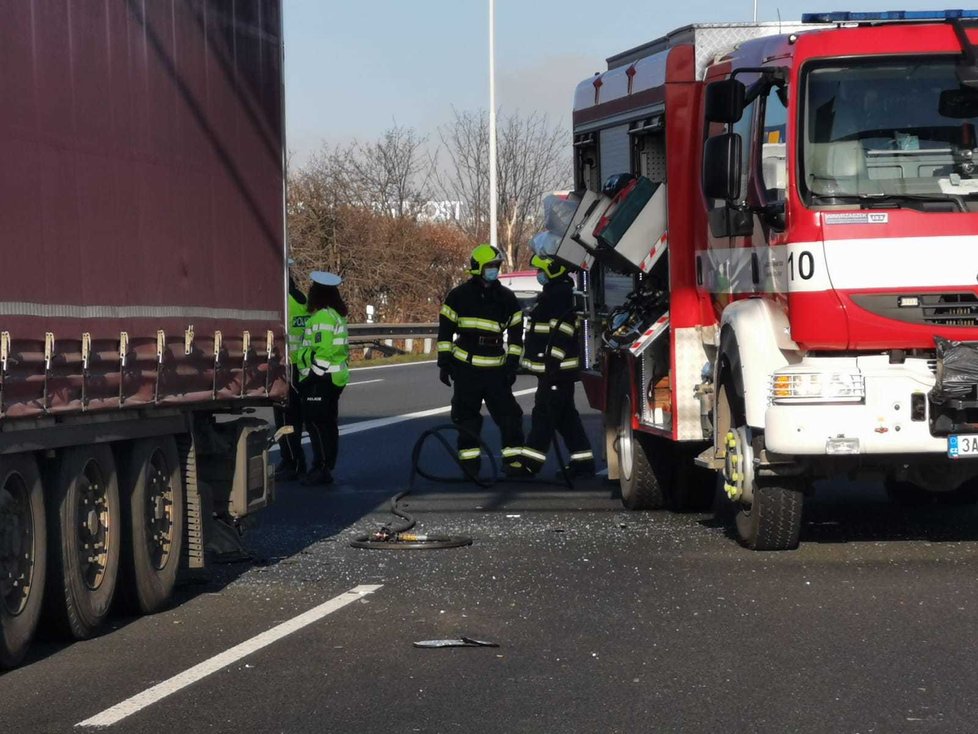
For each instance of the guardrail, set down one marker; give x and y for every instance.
(383, 336)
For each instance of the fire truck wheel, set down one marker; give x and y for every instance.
(152, 512)
(23, 554)
(773, 520)
(641, 463)
(84, 525)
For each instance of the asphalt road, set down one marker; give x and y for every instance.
(606, 621)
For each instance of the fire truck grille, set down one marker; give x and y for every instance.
(936, 309)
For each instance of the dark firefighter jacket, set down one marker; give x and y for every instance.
(551, 337)
(472, 322)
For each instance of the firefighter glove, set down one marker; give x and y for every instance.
(445, 375)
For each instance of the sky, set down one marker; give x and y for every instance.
(354, 69)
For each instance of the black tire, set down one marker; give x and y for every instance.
(23, 555)
(84, 544)
(773, 520)
(152, 519)
(642, 481)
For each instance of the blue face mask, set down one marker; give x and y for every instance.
(490, 274)
(542, 278)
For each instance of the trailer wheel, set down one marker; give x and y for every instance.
(642, 482)
(23, 555)
(85, 539)
(152, 516)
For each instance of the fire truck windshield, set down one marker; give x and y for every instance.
(892, 132)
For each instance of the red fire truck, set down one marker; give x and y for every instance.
(776, 231)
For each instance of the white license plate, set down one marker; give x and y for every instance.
(962, 447)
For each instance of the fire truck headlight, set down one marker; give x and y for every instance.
(815, 387)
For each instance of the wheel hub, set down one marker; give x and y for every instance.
(93, 511)
(16, 545)
(159, 513)
(738, 465)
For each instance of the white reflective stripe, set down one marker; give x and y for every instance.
(479, 324)
(448, 312)
(533, 454)
(444, 346)
(569, 364)
(510, 451)
(321, 368)
(338, 342)
(515, 349)
(469, 453)
(323, 327)
(516, 319)
(582, 456)
(558, 352)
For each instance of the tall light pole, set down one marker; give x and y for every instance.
(755, 11)
(493, 238)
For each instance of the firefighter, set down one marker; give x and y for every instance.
(552, 354)
(293, 463)
(472, 354)
(322, 360)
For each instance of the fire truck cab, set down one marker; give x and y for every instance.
(776, 234)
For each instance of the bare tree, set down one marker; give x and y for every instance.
(533, 158)
(354, 210)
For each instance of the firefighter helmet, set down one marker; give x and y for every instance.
(482, 256)
(548, 265)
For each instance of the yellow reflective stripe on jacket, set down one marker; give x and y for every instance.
(444, 346)
(533, 454)
(467, 322)
(539, 328)
(566, 328)
(516, 319)
(533, 366)
(511, 451)
(448, 312)
(469, 454)
(476, 360)
(515, 349)
(570, 364)
(582, 456)
(557, 353)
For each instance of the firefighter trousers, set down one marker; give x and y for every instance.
(554, 410)
(321, 409)
(291, 415)
(473, 385)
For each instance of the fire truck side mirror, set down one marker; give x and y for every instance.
(958, 104)
(722, 161)
(725, 101)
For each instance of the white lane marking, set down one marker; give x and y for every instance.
(190, 676)
(363, 382)
(381, 422)
(388, 366)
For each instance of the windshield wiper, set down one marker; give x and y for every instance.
(898, 198)
(866, 201)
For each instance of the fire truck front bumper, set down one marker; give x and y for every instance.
(851, 406)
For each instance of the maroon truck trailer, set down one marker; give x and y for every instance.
(142, 295)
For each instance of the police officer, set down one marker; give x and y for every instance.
(322, 360)
(293, 462)
(552, 354)
(473, 354)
